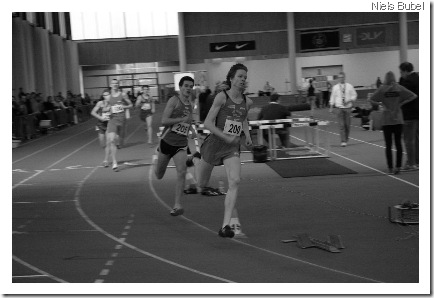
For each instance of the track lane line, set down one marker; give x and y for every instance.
(43, 149)
(130, 246)
(251, 245)
(42, 272)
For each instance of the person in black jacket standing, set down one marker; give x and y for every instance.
(410, 80)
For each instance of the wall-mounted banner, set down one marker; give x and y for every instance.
(371, 35)
(319, 41)
(232, 46)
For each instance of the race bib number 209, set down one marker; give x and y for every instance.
(233, 128)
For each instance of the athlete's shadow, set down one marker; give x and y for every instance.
(132, 163)
(132, 144)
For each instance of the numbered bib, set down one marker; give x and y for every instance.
(106, 116)
(232, 127)
(117, 109)
(181, 128)
(146, 106)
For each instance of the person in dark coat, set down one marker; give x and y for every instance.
(410, 80)
(274, 110)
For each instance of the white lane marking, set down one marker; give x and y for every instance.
(45, 148)
(109, 263)
(124, 234)
(366, 166)
(29, 276)
(104, 272)
(130, 246)
(63, 158)
(66, 201)
(37, 269)
(371, 168)
(114, 255)
(99, 229)
(118, 246)
(251, 245)
(99, 281)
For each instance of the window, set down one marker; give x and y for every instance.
(103, 25)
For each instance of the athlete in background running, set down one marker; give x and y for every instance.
(147, 108)
(118, 104)
(101, 111)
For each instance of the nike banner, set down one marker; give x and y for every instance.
(232, 46)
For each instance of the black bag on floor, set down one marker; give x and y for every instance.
(260, 153)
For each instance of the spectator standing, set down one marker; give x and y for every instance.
(274, 110)
(378, 83)
(311, 96)
(342, 98)
(410, 80)
(268, 88)
(205, 103)
(392, 96)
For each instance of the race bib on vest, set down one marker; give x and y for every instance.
(146, 106)
(117, 109)
(106, 116)
(233, 128)
(181, 128)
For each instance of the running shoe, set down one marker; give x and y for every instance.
(210, 192)
(177, 211)
(226, 232)
(237, 231)
(191, 190)
(408, 168)
(115, 167)
(105, 164)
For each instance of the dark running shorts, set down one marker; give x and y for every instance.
(170, 150)
(145, 114)
(102, 126)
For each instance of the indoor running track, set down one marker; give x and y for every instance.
(74, 221)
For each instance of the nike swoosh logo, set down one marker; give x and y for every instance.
(240, 46)
(218, 48)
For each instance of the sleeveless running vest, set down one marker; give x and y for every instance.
(104, 111)
(146, 102)
(231, 116)
(116, 105)
(176, 134)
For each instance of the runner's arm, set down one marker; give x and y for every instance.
(246, 130)
(209, 122)
(94, 111)
(138, 101)
(165, 119)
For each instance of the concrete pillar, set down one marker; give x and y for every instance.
(403, 37)
(291, 52)
(181, 43)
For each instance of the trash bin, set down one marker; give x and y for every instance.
(260, 153)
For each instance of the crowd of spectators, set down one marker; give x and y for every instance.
(33, 103)
(29, 103)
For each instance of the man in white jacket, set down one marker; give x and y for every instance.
(342, 98)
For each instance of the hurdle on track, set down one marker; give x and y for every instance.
(309, 147)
